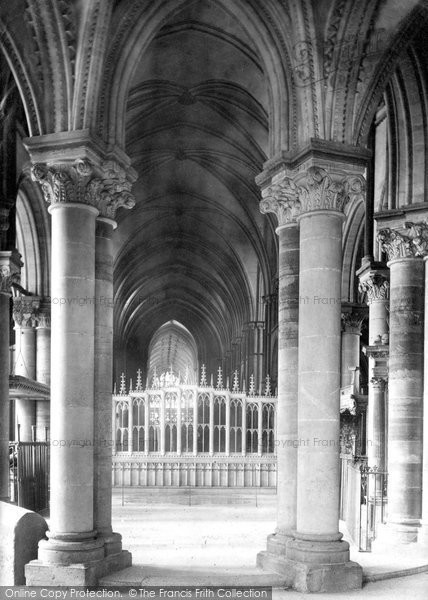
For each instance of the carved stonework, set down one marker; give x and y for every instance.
(320, 189)
(352, 321)
(24, 310)
(10, 272)
(375, 287)
(378, 382)
(107, 187)
(408, 242)
(282, 199)
(43, 316)
(315, 188)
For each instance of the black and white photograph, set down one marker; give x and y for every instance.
(213, 287)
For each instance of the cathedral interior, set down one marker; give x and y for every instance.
(213, 236)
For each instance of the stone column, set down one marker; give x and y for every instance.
(9, 274)
(375, 285)
(350, 346)
(280, 198)
(195, 424)
(405, 411)
(43, 366)
(318, 558)
(103, 377)
(78, 190)
(24, 315)
(43, 343)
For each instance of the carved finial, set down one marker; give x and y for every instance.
(220, 378)
(267, 386)
(122, 389)
(204, 376)
(139, 386)
(235, 387)
(186, 374)
(252, 389)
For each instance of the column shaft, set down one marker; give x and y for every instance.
(405, 398)
(72, 384)
(319, 375)
(286, 415)
(103, 376)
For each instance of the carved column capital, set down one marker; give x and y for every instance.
(281, 198)
(105, 186)
(410, 241)
(43, 315)
(375, 287)
(328, 189)
(24, 310)
(352, 321)
(296, 192)
(379, 382)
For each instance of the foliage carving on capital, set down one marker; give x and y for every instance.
(408, 242)
(320, 189)
(106, 187)
(24, 310)
(375, 287)
(282, 199)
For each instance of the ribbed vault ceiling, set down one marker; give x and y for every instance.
(195, 248)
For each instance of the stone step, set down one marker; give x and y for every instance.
(151, 576)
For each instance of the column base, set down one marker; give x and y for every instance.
(72, 559)
(277, 543)
(307, 578)
(112, 542)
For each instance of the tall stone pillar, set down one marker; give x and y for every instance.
(43, 343)
(319, 189)
(43, 367)
(80, 188)
(280, 198)
(405, 411)
(24, 315)
(103, 377)
(318, 552)
(374, 284)
(9, 273)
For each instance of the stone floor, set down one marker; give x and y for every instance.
(209, 538)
